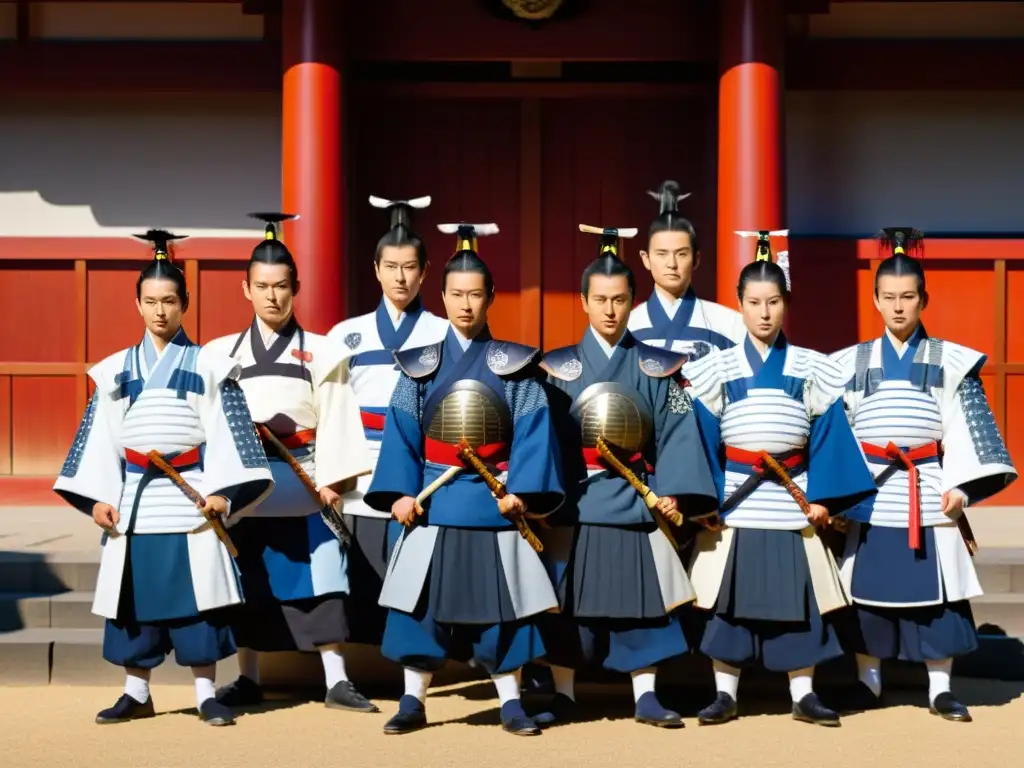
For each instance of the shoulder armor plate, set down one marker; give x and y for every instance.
(419, 362)
(506, 357)
(563, 363)
(659, 363)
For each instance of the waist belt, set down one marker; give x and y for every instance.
(140, 461)
(372, 420)
(594, 460)
(445, 453)
(297, 440)
(906, 459)
(760, 463)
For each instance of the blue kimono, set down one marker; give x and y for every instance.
(768, 579)
(165, 581)
(462, 581)
(619, 577)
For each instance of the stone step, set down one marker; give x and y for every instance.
(66, 610)
(48, 572)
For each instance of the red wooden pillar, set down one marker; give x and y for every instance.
(311, 158)
(751, 188)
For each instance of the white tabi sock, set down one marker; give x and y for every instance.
(416, 683)
(938, 677)
(727, 679)
(136, 684)
(801, 683)
(565, 681)
(249, 664)
(507, 686)
(204, 677)
(869, 672)
(334, 665)
(643, 682)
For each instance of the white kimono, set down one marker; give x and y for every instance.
(305, 387)
(369, 342)
(933, 396)
(176, 401)
(781, 403)
(297, 384)
(688, 325)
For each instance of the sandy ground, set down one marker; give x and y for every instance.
(52, 726)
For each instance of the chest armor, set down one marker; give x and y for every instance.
(473, 412)
(615, 413)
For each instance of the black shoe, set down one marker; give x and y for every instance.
(126, 709)
(515, 720)
(650, 712)
(721, 710)
(244, 692)
(410, 717)
(559, 709)
(212, 712)
(537, 680)
(860, 698)
(345, 696)
(810, 710)
(947, 707)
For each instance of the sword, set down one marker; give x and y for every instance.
(423, 495)
(650, 498)
(328, 513)
(468, 455)
(196, 498)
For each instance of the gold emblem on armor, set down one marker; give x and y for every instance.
(533, 10)
(470, 412)
(612, 412)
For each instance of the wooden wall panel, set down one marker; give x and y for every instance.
(1015, 313)
(44, 419)
(826, 272)
(5, 425)
(946, 317)
(1014, 436)
(114, 321)
(600, 157)
(38, 312)
(465, 155)
(221, 306)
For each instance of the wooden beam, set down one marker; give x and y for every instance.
(893, 65)
(456, 30)
(158, 66)
(22, 21)
(119, 249)
(532, 90)
(190, 320)
(81, 332)
(530, 197)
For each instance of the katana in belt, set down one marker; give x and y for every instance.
(196, 498)
(496, 487)
(650, 498)
(334, 521)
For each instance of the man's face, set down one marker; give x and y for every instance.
(671, 261)
(269, 288)
(160, 307)
(466, 301)
(607, 304)
(899, 300)
(400, 274)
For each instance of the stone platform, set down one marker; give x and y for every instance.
(49, 560)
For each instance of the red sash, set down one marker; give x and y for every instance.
(141, 460)
(894, 453)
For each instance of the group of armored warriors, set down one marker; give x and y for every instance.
(682, 480)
